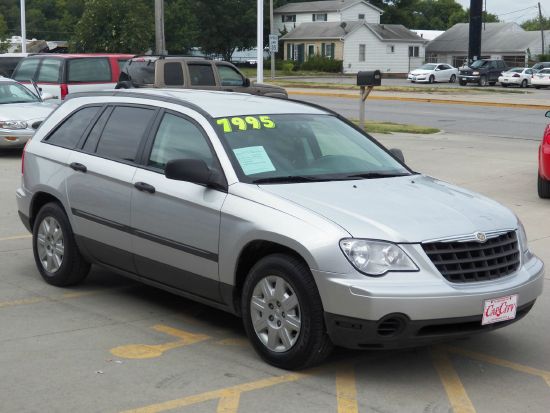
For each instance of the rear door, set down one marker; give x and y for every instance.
(100, 186)
(201, 76)
(89, 74)
(50, 73)
(177, 223)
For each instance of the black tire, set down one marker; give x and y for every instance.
(452, 79)
(431, 79)
(504, 84)
(524, 83)
(538, 87)
(483, 81)
(492, 83)
(462, 83)
(543, 188)
(74, 268)
(313, 344)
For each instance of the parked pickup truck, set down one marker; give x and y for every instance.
(482, 72)
(191, 73)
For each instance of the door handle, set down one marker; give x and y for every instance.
(78, 167)
(142, 186)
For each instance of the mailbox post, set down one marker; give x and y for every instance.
(367, 80)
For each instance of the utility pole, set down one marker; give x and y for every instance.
(260, 40)
(160, 46)
(541, 29)
(24, 28)
(271, 31)
(474, 43)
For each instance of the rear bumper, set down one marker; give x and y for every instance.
(398, 331)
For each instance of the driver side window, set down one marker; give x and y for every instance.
(229, 76)
(178, 138)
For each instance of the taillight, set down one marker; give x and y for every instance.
(547, 135)
(23, 158)
(516, 75)
(64, 90)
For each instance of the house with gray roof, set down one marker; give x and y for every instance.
(391, 48)
(291, 15)
(506, 41)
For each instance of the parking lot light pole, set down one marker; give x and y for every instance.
(23, 29)
(160, 45)
(260, 35)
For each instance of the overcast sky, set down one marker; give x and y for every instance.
(512, 7)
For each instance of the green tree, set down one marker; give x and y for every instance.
(124, 26)
(534, 24)
(3, 34)
(181, 26)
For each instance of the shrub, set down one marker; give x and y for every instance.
(322, 64)
(287, 68)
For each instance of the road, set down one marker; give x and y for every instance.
(487, 121)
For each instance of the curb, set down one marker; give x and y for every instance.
(425, 100)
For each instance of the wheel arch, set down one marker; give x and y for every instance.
(40, 199)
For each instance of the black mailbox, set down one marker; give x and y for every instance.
(369, 78)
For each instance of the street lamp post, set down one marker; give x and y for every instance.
(260, 36)
(23, 29)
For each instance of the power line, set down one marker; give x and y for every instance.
(517, 11)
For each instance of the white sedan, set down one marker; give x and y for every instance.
(519, 76)
(434, 72)
(541, 79)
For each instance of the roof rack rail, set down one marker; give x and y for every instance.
(164, 56)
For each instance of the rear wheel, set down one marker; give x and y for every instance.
(543, 187)
(492, 83)
(283, 314)
(452, 79)
(504, 84)
(55, 251)
(524, 83)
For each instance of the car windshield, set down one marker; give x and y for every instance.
(12, 92)
(303, 148)
(544, 72)
(427, 67)
(478, 63)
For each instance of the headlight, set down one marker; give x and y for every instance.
(376, 257)
(13, 124)
(523, 243)
(475, 73)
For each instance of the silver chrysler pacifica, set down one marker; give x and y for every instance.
(280, 212)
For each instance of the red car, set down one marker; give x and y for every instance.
(544, 163)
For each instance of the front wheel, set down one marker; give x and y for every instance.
(483, 81)
(283, 314)
(543, 188)
(431, 79)
(55, 251)
(462, 83)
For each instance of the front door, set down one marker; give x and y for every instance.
(176, 224)
(231, 80)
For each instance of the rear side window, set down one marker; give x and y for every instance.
(68, 134)
(89, 69)
(173, 74)
(7, 65)
(141, 72)
(123, 132)
(26, 69)
(201, 75)
(49, 71)
(122, 64)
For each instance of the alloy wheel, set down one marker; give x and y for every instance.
(50, 244)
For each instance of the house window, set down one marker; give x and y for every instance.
(327, 50)
(290, 51)
(319, 17)
(414, 51)
(310, 50)
(361, 16)
(390, 48)
(362, 48)
(289, 18)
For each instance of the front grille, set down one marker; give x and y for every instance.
(464, 72)
(471, 261)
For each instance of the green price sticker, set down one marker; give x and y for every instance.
(237, 123)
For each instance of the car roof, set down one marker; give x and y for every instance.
(7, 80)
(217, 104)
(80, 55)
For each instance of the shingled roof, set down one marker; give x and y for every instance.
(320, 6)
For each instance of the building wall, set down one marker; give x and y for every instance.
(300, 18)
(317, 44)
(377, 54)
(352, 13)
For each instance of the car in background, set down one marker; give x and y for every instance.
(61, 74)
(518, 76)
(9, 61)
(21, 112)
(482, 72)
(434, 72)
(541, 79)
(543, 182)
(191, 73)
(541, 65)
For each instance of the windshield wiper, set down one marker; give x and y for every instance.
(289, 179)
(374, 175)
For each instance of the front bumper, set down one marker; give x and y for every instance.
(420, 299)
(16, 138)
(469, 78)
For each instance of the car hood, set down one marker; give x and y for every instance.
(413, 209)
(421, 72)
(270, 88)
(26, 111)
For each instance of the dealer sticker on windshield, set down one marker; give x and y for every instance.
(499, 309)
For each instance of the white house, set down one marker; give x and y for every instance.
(391, 48)
(291, 15)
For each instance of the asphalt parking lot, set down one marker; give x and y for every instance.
(113, 345)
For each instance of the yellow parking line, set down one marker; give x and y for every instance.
(229, 404)
(346, 391)
(456, 393)
(16, 237)
(229, 393)
(500, 362)
(36, 300)
(146, 351)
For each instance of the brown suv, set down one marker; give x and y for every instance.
(190, 73)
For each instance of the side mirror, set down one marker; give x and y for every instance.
(195, 171)
(398, 153)
(547, 114)
(246, 82)
(46, 96)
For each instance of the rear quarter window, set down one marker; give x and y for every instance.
(93, 69)
(49, 71)
(201, 75)
(26, 70)
(69, 132)
(173, 74)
